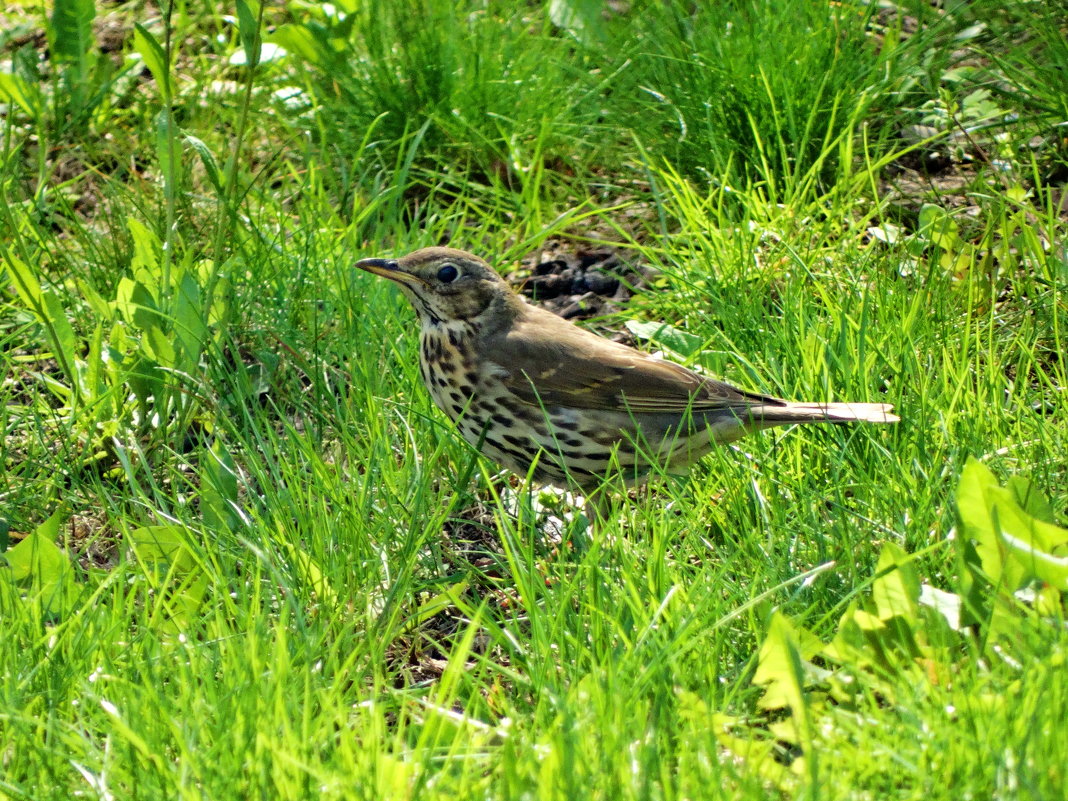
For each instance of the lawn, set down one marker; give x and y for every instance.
(243, 556)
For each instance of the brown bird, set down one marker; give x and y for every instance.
(543, 397)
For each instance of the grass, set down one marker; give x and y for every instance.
(247, 557)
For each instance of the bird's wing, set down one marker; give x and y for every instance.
(575, 368)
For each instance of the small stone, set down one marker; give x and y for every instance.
(572, 310)
(588, 305)
(550, 267)
(601, 283)
(543, 287)
(588, 258)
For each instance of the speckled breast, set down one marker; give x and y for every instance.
(582, 445)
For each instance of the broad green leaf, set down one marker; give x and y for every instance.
(897, 593)
(126, 366)
(61, 333)
(780, 669)
(154, 56)
(1030, 500)
(164, 546)
(136, 304)
(49, 529)
(71, 30)
(120, 344)
(101, 308)
(145, 264)
(37, 556)
(897, 645)
(219, 489)
(41, 566)
(221, 295)
(190, 327)
(990, 513)
(1049, 568)
(299, 40)
(868, 622)
(866, 645)
(48, 310)
(850, 643)
(27, 287)
(159, 346)
(938, 227)
(14, 89)
(248, 29)
(977, 512)
(207, 158)
(144, 379)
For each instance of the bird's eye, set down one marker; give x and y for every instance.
(448, 273)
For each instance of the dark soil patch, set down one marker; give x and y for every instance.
(578, 281)
(471, 538)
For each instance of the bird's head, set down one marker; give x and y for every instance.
(445, 285)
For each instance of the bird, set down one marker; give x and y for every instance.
(559, 404)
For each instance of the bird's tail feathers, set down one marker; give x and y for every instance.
(825, 413)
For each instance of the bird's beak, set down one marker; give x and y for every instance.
(388, 268)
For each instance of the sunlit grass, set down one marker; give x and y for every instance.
(288, 576)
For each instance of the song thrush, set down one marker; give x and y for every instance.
(528, 388)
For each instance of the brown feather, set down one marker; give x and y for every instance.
(589, 372)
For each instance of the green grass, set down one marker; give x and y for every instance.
(246, 557)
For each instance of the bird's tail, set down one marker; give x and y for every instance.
(824, 413)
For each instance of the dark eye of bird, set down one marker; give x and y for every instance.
(447, 274)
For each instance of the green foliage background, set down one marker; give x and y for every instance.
(244, 556)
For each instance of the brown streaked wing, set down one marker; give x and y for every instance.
(568, 366)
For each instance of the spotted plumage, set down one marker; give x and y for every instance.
(540, 395)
